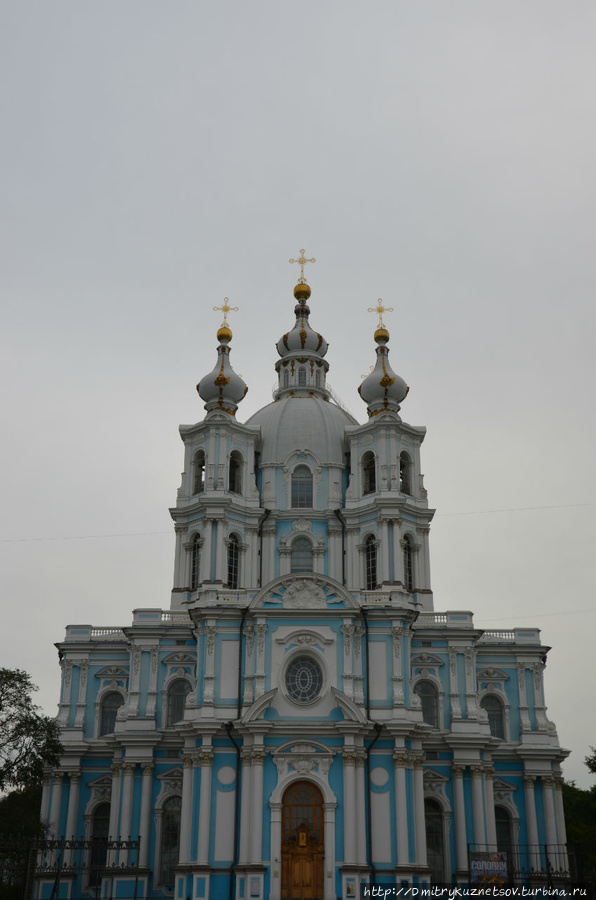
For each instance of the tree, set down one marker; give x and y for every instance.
(590, 761)
(28, 740)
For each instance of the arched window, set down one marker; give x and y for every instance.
(429, 699)
(286, 378)
(371, 562)
(100, 829)
(177, 693)
(198, 483)
(408, 563)
(233, 561)
(435, 851)
(504, 834)
(301, 377)
(301, 558)
(170, 840)
(493, 706)
(405, 473)
(318, 378)
(110, 705)
(195, 565)
(369, 475)
(301, 488)
(235, 473)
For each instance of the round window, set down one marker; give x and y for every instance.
(304, 679)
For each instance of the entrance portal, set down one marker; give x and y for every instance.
(302, 847)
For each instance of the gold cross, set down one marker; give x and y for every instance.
(225, 309)
(302, 260)
(380, 309)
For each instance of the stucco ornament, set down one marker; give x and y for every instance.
(303, 594)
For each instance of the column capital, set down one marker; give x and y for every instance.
(350, 757)
(547, 779)
(187, 760)
(529, 780)
(147, 768)
(75, 776)
(476, 771)
(401, 759)
(115, 769)
(458, 771)
(258, 757)
(205, 757)
(489, 771)
(129, 768)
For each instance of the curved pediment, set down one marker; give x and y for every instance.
(306, 591)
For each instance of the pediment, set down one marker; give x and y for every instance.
(180, 659)
(350, 711)
(112, 672)
(432, 776)
(304, 591)
(492, 674)
(502, 787)
(426, 660)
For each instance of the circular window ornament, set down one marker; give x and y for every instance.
(304, 679)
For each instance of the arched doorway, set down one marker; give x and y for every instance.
(302, 846)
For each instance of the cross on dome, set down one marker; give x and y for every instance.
(302, 260)
(225, 309)
(380, 309)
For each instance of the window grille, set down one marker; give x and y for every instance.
(304, 679)
(177, 693)
(301, 558)
(170, 840)
(233, 561)
(302, 492)
(371, 563)
(195, 574)
(302, 377)
(109, 709)
(408, 564)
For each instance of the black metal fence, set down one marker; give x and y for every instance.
(547, 864)
(23, 860)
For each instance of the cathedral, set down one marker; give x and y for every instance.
(300, 722)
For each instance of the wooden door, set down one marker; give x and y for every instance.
(302, 849)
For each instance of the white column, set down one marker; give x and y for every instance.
(349, 759)
(419, 819)
(383, 554)
(56, 803)
(71, 816)
(145, 818)
(256, 811)
(489, 804)
(329, 831)
(401, 808)
(549, 820)
(205, 760)
(116, 769)
(260, 632)
(531, 821)
(478, 807)
(361, 819)
(461, 841)
(560, 818)
(125, 815)
(245, 808)
(186, 811)
(397, 678)
(275, 889)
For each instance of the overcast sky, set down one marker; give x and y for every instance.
(157, 157)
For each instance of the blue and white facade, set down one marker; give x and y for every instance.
(301, 721)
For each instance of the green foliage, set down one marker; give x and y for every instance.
(580, 821)
(28, 739)
(590, 761)
(19, 813)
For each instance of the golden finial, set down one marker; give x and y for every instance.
(380, 309)
(302, 260)
(225, 332)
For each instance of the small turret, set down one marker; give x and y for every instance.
(382, 390)
(222, 389)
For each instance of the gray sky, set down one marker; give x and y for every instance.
(157, 157)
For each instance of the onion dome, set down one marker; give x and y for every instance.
(383, 390)
(222, 390)
(302, 338)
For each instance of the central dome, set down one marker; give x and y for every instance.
(302, 423)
